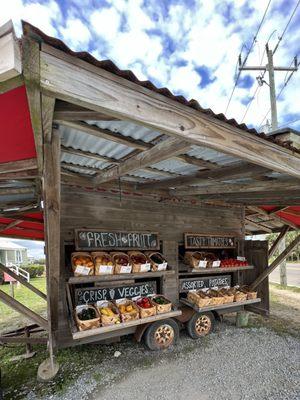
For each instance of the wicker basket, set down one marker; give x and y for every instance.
(146, 312)
(143, 266)
(162, 308)
(240, 296)
(193, 258)
(107, 320)
(154, 258)
(80, 266)
(88, 324)
(128, 316)
(228, 296)
(121, 268)
(103, 263)
(199, 298)
(216, 298)
(251, 294)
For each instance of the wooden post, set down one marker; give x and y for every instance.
(51, 196)
(276, 262)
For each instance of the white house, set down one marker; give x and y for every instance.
(11, 253)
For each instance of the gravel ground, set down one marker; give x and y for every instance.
(253, 363)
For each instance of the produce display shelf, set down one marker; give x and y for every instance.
(220, 307)
(118, 277)
(219, 270)
(124, 325)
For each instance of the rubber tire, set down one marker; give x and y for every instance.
(190, 325)
(149, 339)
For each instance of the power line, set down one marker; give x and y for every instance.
(286, 27)
(247, 55)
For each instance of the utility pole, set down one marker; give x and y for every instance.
(270, 68)
(274, 124)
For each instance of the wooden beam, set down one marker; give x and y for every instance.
(258, 225)
(8, 226)
(51, 196)
(11, 84)
(10, 60)
(279, 238)
(162, 151)
(88, 154)
(22, 218)
(102, 91)
(31, 73)
(12, 191)
(71, 112)
(276, 262)
(106, 134)
(20, 165)
(23, 281)
(232, 171)
(17, 306)
(220, 188)
(21, 175)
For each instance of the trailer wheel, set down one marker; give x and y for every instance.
(161, 334)
(200, 325)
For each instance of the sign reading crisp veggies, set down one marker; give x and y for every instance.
(199, 241)
(94, 239)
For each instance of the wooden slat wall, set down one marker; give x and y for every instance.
(81, 209)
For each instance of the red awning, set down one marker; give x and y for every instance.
(290, 214)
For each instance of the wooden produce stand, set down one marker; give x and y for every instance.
(110, 163)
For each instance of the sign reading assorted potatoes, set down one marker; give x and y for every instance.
(199, 241)
(188, 284)
(94, 239)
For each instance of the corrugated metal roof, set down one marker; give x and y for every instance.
(109, 66)
(211, 155)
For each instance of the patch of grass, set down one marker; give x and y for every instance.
(294, 289)
(11, 319)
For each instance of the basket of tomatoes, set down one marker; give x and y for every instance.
(103, 263)
(82, 264)
(146, 307)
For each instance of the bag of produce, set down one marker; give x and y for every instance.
(82, 264)
(121, 263)
(162, 304)
(103, 263)
(158, 261)
(139, 262)
(87, 317)
(127, 309)
(109, 313)
(146, 307)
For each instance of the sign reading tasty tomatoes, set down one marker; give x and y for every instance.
(199, 241)
(94, 294)
(93, 239)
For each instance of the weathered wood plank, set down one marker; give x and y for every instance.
(280, 237)
(10, 60)
(16, 166)
(104, 92)
(276, 262)
(11, 84)
(16, 305)
(31, 72)
(162, 151)
(70, 112)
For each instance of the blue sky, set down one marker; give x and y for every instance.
(189, 46)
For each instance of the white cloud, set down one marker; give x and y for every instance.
(76, 33)
(106, 22)
(185, 79)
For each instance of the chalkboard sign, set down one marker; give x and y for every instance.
(206, 282)
(199, 241)
(93, 239)
(94, 294)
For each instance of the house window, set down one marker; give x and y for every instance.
(18, 257)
